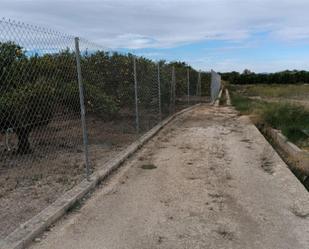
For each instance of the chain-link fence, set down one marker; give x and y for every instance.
(215, 85)
(67, 105)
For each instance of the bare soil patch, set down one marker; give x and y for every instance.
(29, 183)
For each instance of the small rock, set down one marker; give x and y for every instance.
(37, 240)
(301, 208)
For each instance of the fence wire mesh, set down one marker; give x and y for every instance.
(108, 81)
(40, 142)
(166, 71)
(147, 89)
(42, 149)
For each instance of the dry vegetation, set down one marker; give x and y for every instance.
(283, 107)
(275, 91)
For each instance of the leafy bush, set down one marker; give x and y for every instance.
(99, 103)
(292, 120)
(32, 84)
(96, 100)
(68, 96)
(26, 107)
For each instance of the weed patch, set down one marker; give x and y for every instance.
(291, 119)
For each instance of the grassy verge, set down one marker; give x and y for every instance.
(292, 120)
(274, 91)
(222, 100)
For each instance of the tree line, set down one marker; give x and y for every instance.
(284, 77)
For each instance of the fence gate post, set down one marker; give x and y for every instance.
(136, 96)
(159, 92)
(82, 106)
(215, 85)
(188, 85)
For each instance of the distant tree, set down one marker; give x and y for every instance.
(247, 72)
(284, 77)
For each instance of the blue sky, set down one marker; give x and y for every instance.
(224, 35)
(259, 53)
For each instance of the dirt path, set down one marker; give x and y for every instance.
(217, 184)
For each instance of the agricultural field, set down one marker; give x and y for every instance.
(283, 107)
(297, 94)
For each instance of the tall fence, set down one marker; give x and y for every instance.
(215, 85)
(67, 105)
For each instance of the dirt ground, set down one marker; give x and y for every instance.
(29, 183)
(208, 180)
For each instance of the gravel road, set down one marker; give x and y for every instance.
(207, 180)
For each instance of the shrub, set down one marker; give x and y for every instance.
(24, 108)
(96, 100)
(99, 103)
(291, 119)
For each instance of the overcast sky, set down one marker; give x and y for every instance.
(262, 35)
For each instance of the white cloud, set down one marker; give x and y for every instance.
(296, 33)
(133, 41)
(163, 23)
(234, 64)
(139, 24)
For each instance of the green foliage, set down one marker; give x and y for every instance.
(274, 90)
(99, 103)
(96, 100)
(12, 59)
(26, 107)
(165, 79)
(284, 77)
(242, 104)
(34, 87)
(29, 105)
(222, 100)
(68, 96)
(147, 82)
(292, 120)
(112, 72)
(181, 78)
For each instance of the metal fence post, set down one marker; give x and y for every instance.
(159, 92)
(212, 85)
(173, 90)
(82, 106)
(136, 96)
(198, 90)
(188, 85)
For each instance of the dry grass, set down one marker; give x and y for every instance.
(274, 91)
(291, 119)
